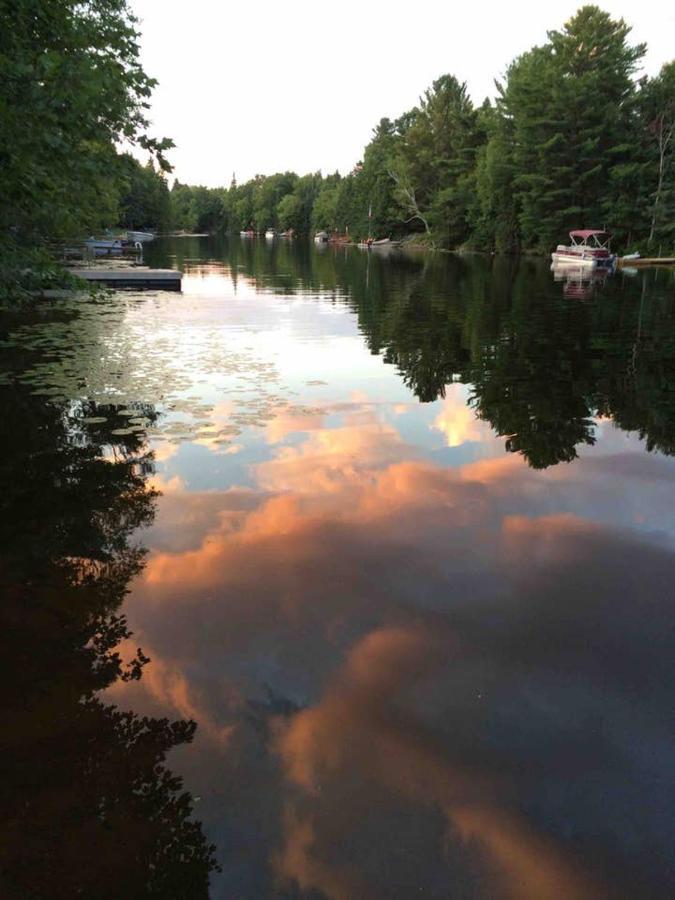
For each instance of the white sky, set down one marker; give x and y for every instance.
(256, 86)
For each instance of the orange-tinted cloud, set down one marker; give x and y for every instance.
(383, 592)
(532, 867)
(298, 861)
(170, 689)
(363, 722)
(333, 460)
(292, 422)
(458, 422)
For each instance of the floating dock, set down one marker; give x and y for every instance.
(136, 278)
(646, 261)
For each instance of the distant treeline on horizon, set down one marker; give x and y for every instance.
(573, 140)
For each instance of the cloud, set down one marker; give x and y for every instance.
(364, 723)
(458, 422)
(167, 686)
(218, 445)
(164, 450)
(482, 666)
(173, 484)
(333, 460)
(292, 422)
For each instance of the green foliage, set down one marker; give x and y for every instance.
(571, 106)
(267, 193)
(289, 212)
(324, 211)
(72, 89)
(144, 202)
(492, 211)
(656, 104)
(435, 160)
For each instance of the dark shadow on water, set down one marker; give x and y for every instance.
(88, 806)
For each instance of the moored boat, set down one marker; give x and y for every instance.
(141, 237)
(270, 234)
(382, 244)
(321, 237)
(103, 244)
(249, 233)
(111, 247)
(588, 247)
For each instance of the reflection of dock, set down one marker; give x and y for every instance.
(135, 278)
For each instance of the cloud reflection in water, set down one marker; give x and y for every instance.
(475, 668)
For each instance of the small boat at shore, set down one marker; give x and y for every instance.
(249, 233)
(321, 237)
(270, 234)
(103, 247)
(111, 246)
(589, 247)
(382, 244)
(141, 237)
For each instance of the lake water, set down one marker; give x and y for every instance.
(396, 531)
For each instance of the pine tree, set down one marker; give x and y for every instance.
(433, 168)
(572, 105)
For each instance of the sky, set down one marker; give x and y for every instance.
(262, 87)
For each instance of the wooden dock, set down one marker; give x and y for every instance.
(646, 261)
(133, 278)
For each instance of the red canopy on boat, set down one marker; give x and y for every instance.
(585, 233)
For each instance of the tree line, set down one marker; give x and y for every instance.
(573, 139)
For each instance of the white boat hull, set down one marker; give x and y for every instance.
(141, 237)
(104, 248)
(561, 259)
(587, 262)
(112, 247)
(379, 245)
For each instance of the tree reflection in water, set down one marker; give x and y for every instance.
(89, 807)
(541, 365)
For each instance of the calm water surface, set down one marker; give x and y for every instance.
(398, 534)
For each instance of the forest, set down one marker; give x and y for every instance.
(574, 139)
